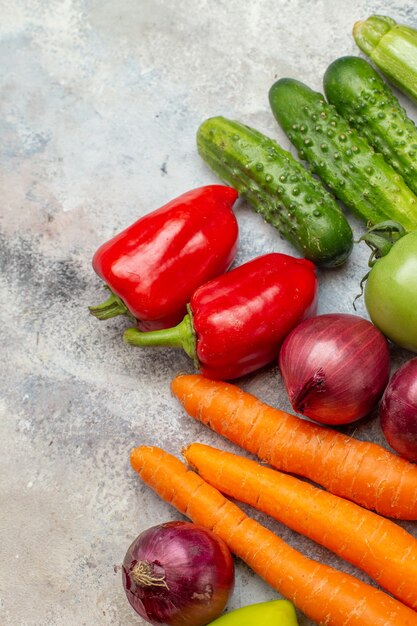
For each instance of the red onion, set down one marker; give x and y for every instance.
(335, 367)
(178, 574)
(398, 411)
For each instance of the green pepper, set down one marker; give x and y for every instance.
(391, 284)
(273, 613)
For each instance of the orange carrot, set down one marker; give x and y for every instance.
(326, 595)
(360, 471)
(378, 546)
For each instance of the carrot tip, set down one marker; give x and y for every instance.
(185, 449)
(133, 455)
(136, 457)
(184, 453)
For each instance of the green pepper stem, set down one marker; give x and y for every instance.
(109, 308)
(180, 336)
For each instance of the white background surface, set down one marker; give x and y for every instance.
(100, 104)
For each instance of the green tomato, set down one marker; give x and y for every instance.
(274, 613)
(391, 293)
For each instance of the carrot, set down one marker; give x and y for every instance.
(360, 471)
(326, 595)
(376, 545)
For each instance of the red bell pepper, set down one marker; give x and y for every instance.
(153, 267)
(237, 322)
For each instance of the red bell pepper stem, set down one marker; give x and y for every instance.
(180, 336)
(110, 308)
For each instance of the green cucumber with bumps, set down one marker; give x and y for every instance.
(342, 158)
(360, 94)
(278, 187)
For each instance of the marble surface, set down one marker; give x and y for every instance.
(99, 109)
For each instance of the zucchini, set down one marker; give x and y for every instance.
(393, 48)
(278, 187)
(344, 160)
(360, 94)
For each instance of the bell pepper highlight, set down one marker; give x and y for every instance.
(153, 267)
(273, 613)
(236, 322)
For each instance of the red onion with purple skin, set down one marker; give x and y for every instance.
(178, 574)
(335, 367)
(398, 411)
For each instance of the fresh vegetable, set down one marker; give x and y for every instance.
(398, 411)
(335, 367)
(236, 322)
(324, 594)
(376, 545)
(359, 94)
(153, 267)
(393, 48)
(344, 160)
(277, 187)
(391, 284)
(357, 470)
(178, 574)
(273, 613)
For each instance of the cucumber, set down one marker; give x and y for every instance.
(393, 49)
(343, 159)
(278, 187)
(360, 94)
